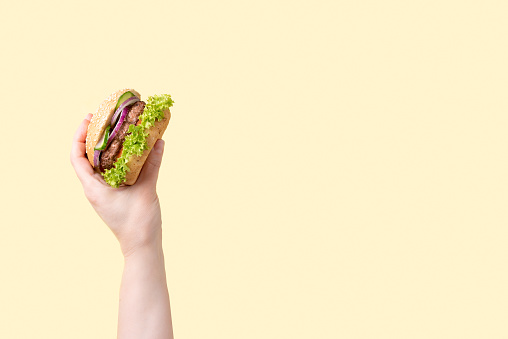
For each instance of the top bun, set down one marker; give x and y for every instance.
(101, 119)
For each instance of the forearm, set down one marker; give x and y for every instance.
(144, 301)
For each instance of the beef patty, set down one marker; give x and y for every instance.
(111, 153)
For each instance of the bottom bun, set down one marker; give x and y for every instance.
(136, 162)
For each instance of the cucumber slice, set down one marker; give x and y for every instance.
(122, 98)
(101, 145)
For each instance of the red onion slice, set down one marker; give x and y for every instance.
(124, 104)
(96, 156)
(118, 125)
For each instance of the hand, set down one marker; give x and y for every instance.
(132, 212)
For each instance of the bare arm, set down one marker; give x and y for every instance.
(133, 214)
(144, 300)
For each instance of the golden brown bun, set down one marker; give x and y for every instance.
(101, 119)
(136, 162)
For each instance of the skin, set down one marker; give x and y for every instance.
(133, 214)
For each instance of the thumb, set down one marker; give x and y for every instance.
(150, 171)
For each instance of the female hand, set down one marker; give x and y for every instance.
(131, 212)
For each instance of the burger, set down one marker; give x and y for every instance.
(122, 133)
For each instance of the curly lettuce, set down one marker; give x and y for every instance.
(136, 141)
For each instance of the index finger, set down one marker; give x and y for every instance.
(78, 152)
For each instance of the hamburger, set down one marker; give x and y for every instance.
(122, 133)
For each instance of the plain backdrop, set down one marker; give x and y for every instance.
(333, 169)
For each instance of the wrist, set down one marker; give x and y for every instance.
(143, 244)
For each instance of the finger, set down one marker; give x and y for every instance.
(150, 171)
(79, 161)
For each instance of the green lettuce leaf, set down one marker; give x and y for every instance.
(135, 142)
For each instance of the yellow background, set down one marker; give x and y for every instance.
(333, 169)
